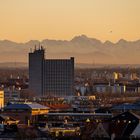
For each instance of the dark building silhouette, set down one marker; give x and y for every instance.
(54, 77)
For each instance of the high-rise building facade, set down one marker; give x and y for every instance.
(53, 77)
(36, 60)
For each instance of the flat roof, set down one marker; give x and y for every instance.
(26, 106)
(79, 114)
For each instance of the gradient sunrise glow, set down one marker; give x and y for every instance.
(22, 20)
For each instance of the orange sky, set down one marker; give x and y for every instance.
(23, 20)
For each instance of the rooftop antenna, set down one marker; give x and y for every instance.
(42, 47)
(39, 45)
(31, 50)
(35, 47)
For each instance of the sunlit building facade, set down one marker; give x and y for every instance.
(1, 99)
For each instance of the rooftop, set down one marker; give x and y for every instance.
(26, 106)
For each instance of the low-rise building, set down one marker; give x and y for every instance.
(11, 94)
(107, 88)
(123, 125)
(26, 113)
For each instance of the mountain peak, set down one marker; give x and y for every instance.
(86, 41)
(108, 43)
(121, 41)
(80, 37)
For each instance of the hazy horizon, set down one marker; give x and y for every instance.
(69, 39)
(85, 50)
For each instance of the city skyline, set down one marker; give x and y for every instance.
(39, 19)
(69, 69)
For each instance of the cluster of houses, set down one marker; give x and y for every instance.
(26, 116)
(18, 120)
(120, 127)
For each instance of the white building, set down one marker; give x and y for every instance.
(110, 88)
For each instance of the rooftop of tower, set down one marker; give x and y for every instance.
(40, 48)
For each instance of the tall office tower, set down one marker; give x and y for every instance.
(53, 77)
(36, 62)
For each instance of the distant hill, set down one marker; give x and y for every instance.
(23, 65)
(84, 49)
(13, 65)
